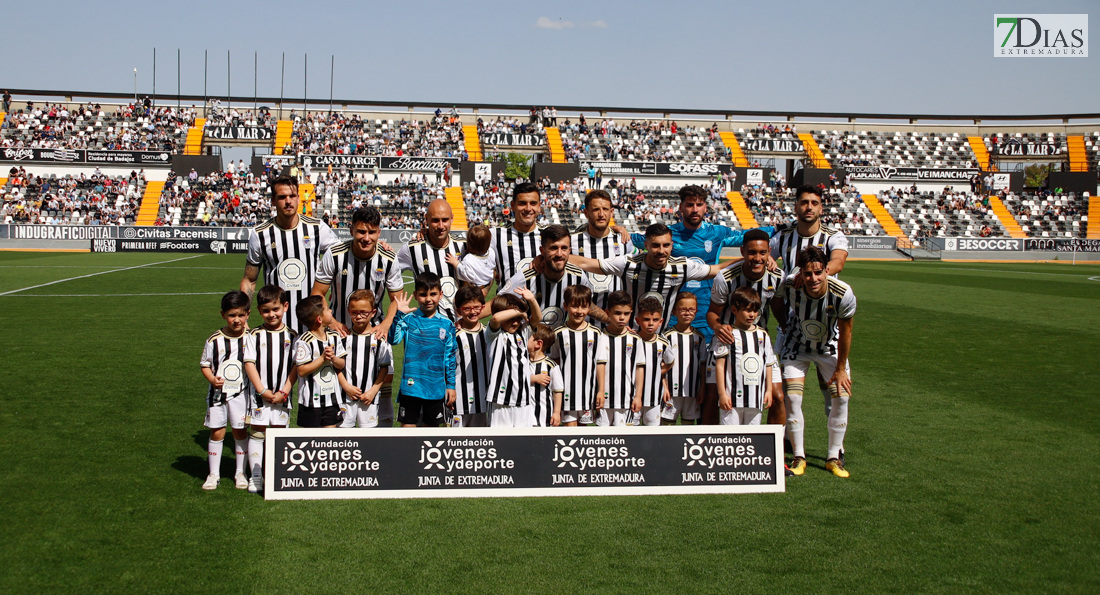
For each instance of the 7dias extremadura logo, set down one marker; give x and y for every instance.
(1041, 36)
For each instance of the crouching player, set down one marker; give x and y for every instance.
(367, 363)
(818, 329)
(319, 357)
(685, 379)
(744, 368)
(227, 398)
(269, 363)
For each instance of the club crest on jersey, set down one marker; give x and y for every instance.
(708, 246)
(425, 262)
(442, 334)
(379, 273)
(306, 242)
(830, 310)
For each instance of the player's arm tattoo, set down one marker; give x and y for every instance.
(248, 282)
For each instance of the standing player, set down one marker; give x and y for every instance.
(319, 356)
(618, 350)
(655, 357)
(227, 400)
(598, 240)
(546, 395)
(269, 363)
(288, 247)
(575, 346)
(751, 272)
(366, 365)
(510, 394)
(744, 365)
(516, 245)
(472, 354)
(653, 273)
(557, 274)
(819, 330)
(429, 255)
(429, 355)
(685, 379)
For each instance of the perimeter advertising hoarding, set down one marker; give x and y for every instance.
(983, 244)
(382, 163)
(86, 156)
(652, 168)
(510, 462)
(872, 243)
(913, 174)
(108, 245)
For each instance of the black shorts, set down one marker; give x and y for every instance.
(415, 411)
(319, 417)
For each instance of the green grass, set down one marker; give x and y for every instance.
(973, 446)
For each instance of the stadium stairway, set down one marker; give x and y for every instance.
(553, 142)
(1078, 157)
(453, 194)
(741, 209)
(736, 154)
(284, 130)
(150, 203)
(471, 142)
(307, 195)
(1092, 229)
(194, 140)
(1006, 218)
(981, 154)
(813, 152)
(883, 216)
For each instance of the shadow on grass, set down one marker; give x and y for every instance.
(198, 466)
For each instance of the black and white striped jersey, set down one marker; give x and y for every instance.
(224, 355)
(289, 257)
(787, 243)
(652, 355)
(513, 249)
(345, 274)
(604, 248)
(746, 362)
(812, 322)
(691, 355)
(621, 354)
(321, 388)
(272, 352)
(365, 360)
(642, 282)
(421, 256)
(510, 369)
(550, 295)
(733, 277)
(544, 395)
(472, 369)
(575, 352)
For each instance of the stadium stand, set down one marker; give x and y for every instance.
(1046, 215)
(338, 133)
(91, 126)
(947, 214)
(641, 140)
(897, 149)
(78, 200)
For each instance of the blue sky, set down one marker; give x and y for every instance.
(878, 57)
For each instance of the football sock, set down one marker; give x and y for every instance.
(795, 419)
(838, 426)
(240, 449)
(256, 456)
(214, 454)
(827, 394)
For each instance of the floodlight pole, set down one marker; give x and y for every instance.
(135, 87)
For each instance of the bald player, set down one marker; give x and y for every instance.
(430, 253)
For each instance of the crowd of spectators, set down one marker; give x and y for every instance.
(641, 140)
(79, 199)
(132, 127)
(341, 134)
(231, 116)
(231, 198)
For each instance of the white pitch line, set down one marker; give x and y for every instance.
(948, 268)
(111, 294)
(140, 266)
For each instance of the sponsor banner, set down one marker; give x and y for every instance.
(395, 237)
(46, 155)
(385, 163)
(915, 174)
(1062, 245)
(692, 169)
(663, 168)
(754, 176)
(61, 232)
(496, 462)
(153, 245)
(773, 145)
(86, 156)
(1040, 36)
(1015, 148)
(983, 244)
(1002, 181)
(621, 168)
(246, 133)
(129, 157)
(501, 139)
(872, 243)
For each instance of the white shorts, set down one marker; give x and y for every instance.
(739, 416)
(571, 416)
(651, 416)
(684, 407)
(777, 373)
(470, 420)
(612, 417)
(502, 416)
(826, 365)
(359, 414)
(233, 411)
(269, 415)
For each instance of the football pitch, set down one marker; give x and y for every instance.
(973, 446)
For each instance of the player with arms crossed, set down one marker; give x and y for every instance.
(288, 247)
(818, 329)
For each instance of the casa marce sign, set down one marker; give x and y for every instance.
(382, 163)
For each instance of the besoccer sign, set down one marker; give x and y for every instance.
(1040, 36)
